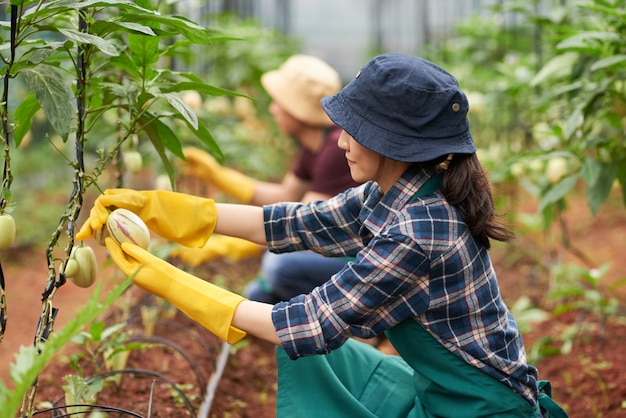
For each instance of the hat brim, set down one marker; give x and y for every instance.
(287, 97)
(389, 144)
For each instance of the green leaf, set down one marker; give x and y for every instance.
(203, 88)
(102, 27)
(183, 108)
(124, 63)
(573, 122)
(144, 51)
(558, 191)
(599, 183)
(103, 45)
(37, 55)
(161, 137)
(608, 62)
(181, 26)
(64, 5)
(24, 117)
(95, 331)
(112, 330)
(584, 40)
(590, 170)
(49, 88)
(558, 67)
(203, 134)
(158, 130)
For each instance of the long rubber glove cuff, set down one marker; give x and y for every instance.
(211, 306)
(218, 246)
(178, 217)
(235, 184)
(203, 166)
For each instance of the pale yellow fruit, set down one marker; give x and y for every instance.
(133, 161)
(517, 169)
(535, 165)
(7, 231)
(126, 226)
(87, 272)
(556, 169)
(71, 268)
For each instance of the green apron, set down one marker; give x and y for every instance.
(357, 380)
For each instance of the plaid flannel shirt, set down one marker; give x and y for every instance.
(415, 258)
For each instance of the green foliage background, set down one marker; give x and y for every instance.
(84, 84)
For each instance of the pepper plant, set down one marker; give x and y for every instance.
(548, 110)
(85, 63)
(583, 82)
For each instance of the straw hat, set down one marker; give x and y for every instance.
(404, 108)
(299, 84)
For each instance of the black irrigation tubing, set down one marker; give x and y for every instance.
(194, 367)
(94, 408)
(146, 373)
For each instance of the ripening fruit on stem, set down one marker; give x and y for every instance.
(517, 170)
(126, 226)
(132, 161)
(82, 267)
(7, 231)
(71, 268)
(556, 169)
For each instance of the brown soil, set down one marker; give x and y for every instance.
(588, 381)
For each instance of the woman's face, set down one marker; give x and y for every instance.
(366, 165)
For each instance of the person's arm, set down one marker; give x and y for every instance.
(201, 165)
(256, 319)
(241, 221)
(291, 189)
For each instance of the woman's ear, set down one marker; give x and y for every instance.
(446, 163)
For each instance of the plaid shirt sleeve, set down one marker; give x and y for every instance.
(328, 227)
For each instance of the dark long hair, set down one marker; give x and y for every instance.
(466, 186)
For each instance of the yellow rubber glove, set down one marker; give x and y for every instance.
(209, 305)
(203, 166)
(218, 246)
(178, 217)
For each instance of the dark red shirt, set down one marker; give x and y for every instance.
(328, 170)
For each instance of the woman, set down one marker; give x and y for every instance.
(419, 228)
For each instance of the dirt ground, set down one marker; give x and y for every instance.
(588, 381)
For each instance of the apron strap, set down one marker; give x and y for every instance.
(430, 186)
(546, 403)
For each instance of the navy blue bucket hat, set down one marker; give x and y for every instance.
(404, 108)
